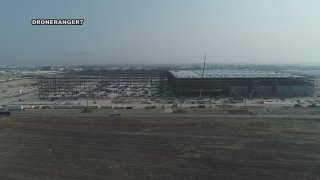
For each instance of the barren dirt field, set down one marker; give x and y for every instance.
(84, 147)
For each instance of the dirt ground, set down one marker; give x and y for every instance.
(77, 146)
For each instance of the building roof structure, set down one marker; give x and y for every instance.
(231, 73)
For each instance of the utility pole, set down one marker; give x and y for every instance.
(245, 102)
(180, 98)
(87, 100)
(204, 64)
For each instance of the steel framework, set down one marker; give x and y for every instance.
(102, 84)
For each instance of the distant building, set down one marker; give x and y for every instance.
(46, 68)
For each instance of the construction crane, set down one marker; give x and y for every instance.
(204, 64)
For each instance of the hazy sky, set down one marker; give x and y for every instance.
(161, 31)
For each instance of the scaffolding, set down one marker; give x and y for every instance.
(102, 84)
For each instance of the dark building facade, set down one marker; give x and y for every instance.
(245, 87)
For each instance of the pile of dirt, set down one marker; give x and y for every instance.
(150, 107)
(145, 102)
(117, 101)
(180, 111)
(241, 111)
(225, 106)
(86, 110)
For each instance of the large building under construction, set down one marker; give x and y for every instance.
(174, 83)
(238, 83)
